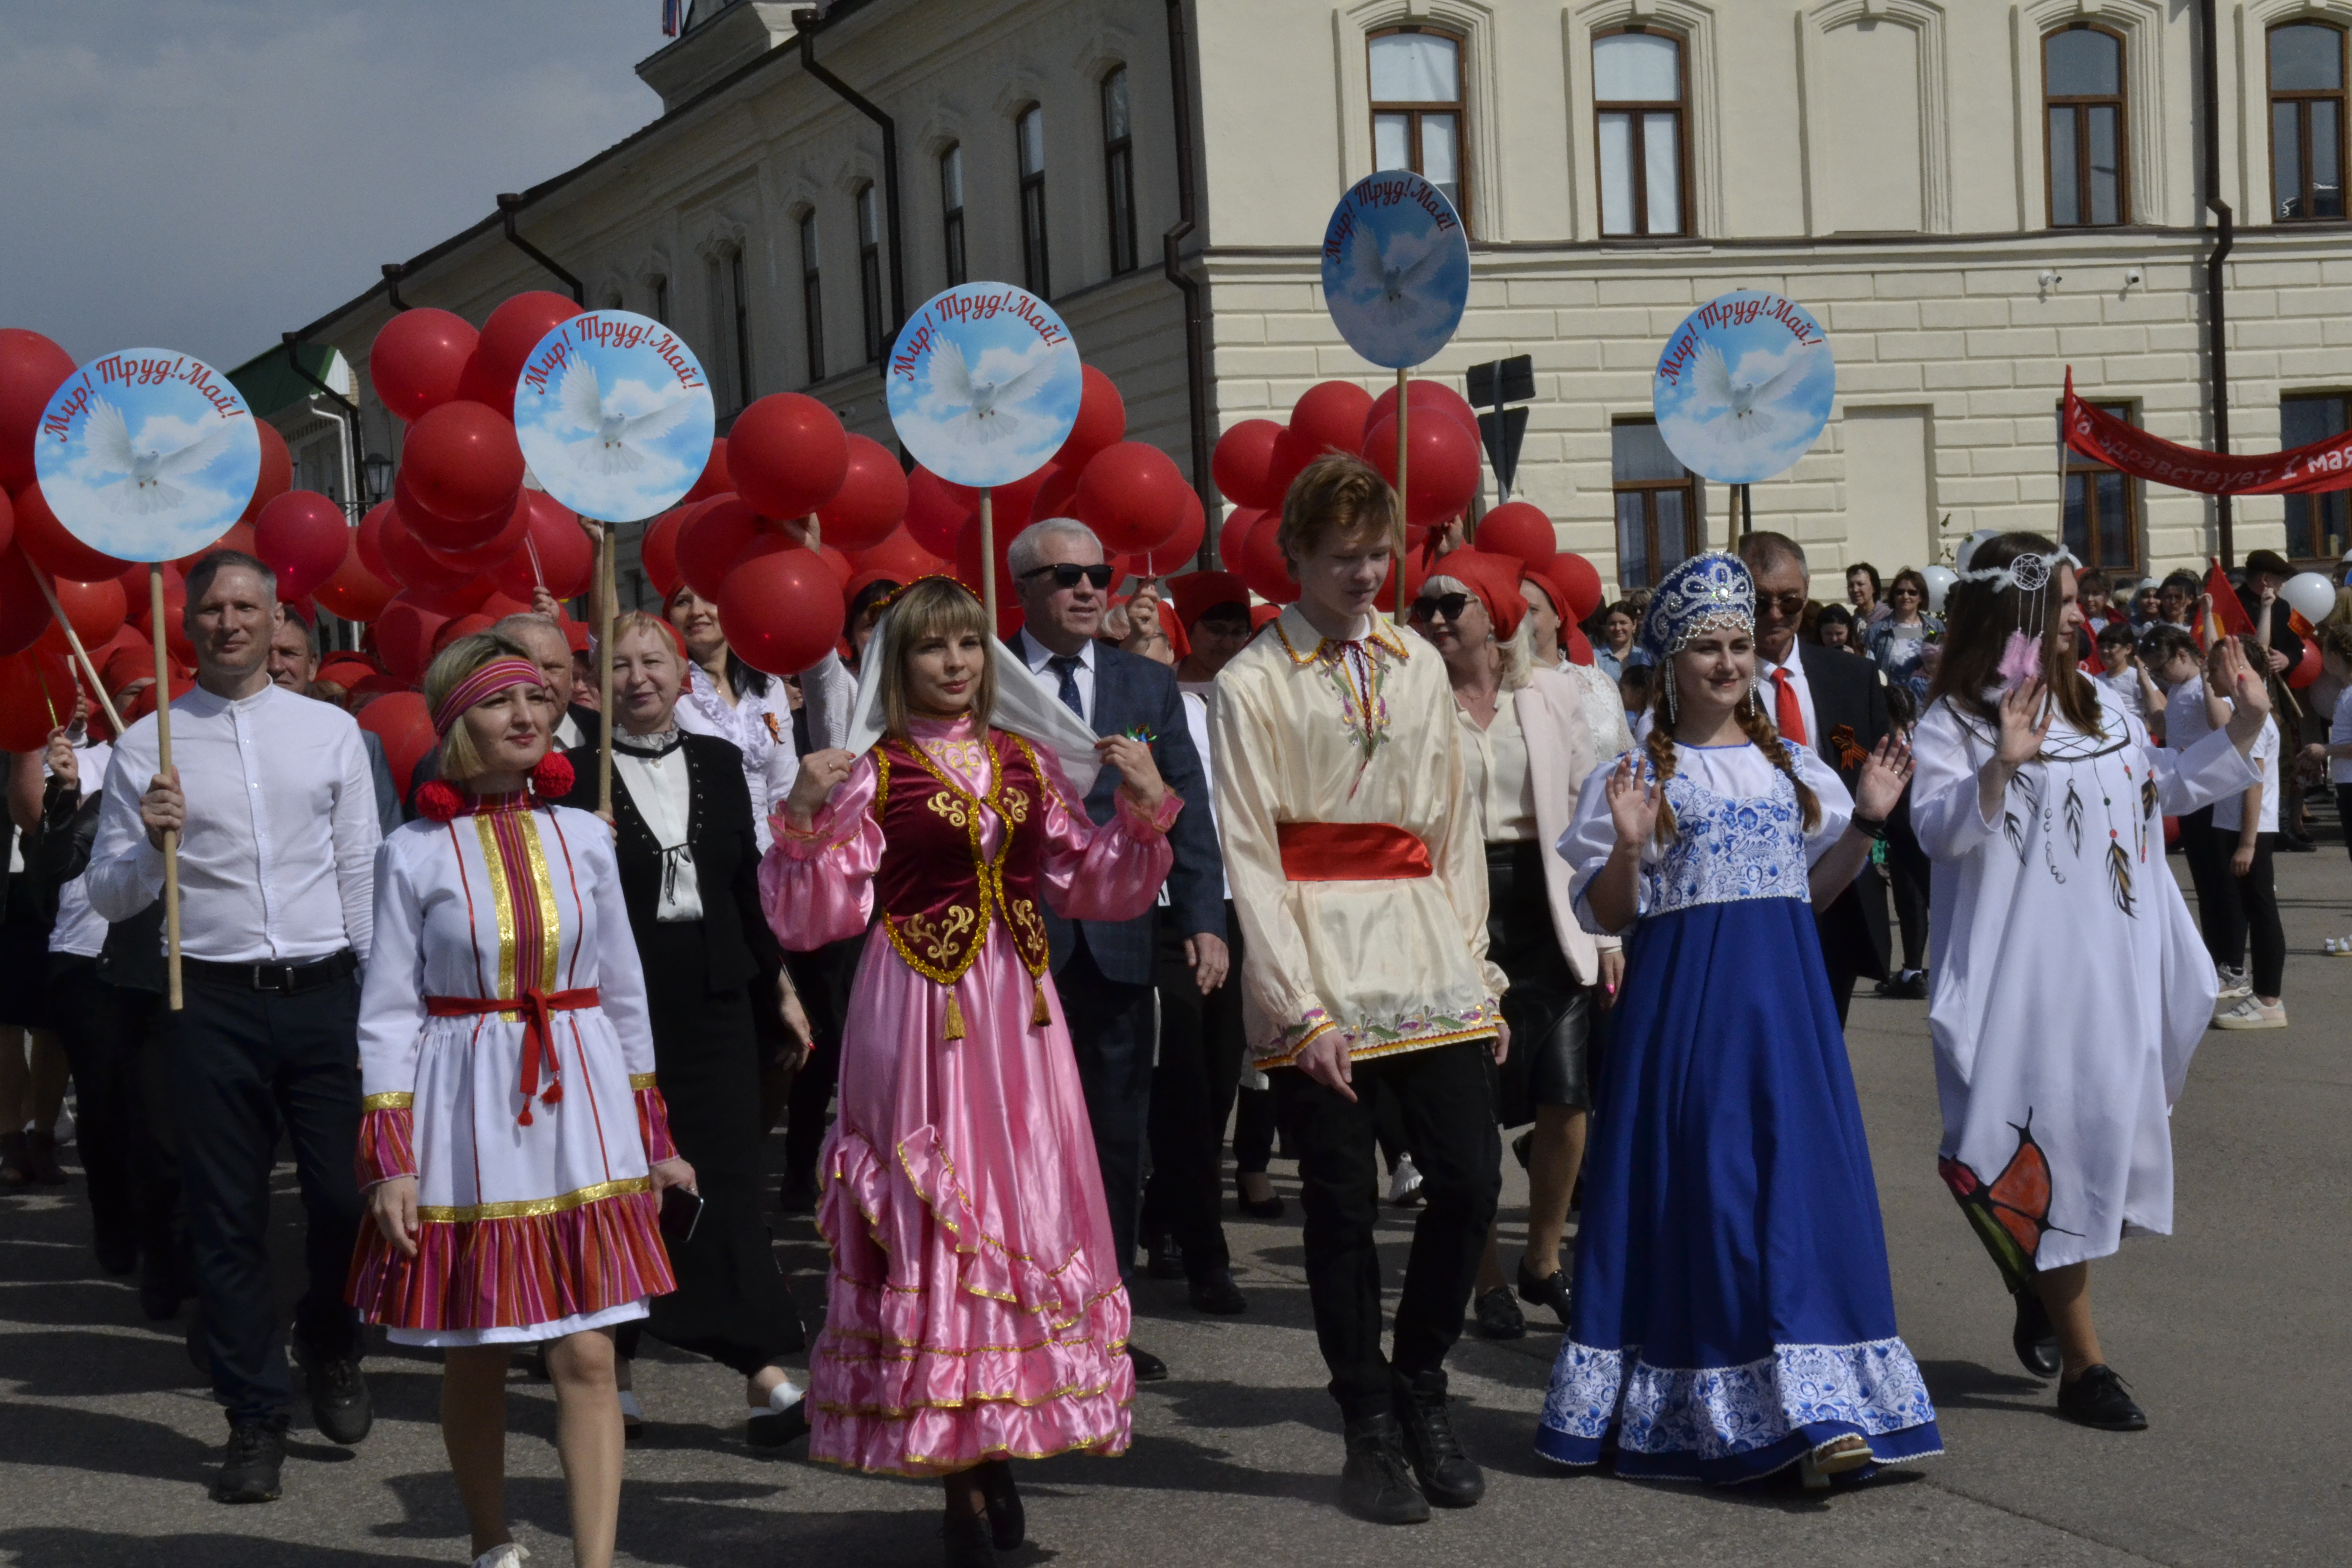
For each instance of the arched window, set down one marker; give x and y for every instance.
(951, 213)
(2082, 104)
(2307, 86)
(869, 268)
(1118, 170)
(1029, 133)
(1418, 109)
(1641, 104)
(812, 298)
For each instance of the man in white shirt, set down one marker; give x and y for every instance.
(271, 797)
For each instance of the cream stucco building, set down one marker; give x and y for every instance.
(1971, 195)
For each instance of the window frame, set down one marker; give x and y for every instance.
(1634, 109)
(2314, 507)
(2301, 97)
(2082, 104)
(1036, 254)
(955, 262)
(2134, 518)
(738, 283)
(1118, 177)
(1458, 107)
(1694, 516)
(867, 206)
(660, 284)
(810, 239)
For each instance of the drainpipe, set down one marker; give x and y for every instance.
(347, 414)
(808, 24)
(2216, 348)
(510, 203)
(1196, 350)
(393, 272)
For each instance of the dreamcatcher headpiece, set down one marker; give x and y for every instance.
(2031, 574)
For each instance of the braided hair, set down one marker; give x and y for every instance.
(1761, 730)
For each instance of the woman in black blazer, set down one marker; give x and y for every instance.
(689, 875)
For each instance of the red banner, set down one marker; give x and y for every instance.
(2322, 466)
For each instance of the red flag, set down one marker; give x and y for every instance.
(2224, 614)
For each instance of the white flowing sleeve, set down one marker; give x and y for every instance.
(1591, 838)
(620, 974)
(1945, 756)
(1837, 806)
(391, 996)
(2188, 779)
(829, 692)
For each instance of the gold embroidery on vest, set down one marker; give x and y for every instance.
(948, 807)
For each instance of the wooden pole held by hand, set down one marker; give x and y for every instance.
(163, 766)
(988, 558)
(1401, 536)
(608, 590)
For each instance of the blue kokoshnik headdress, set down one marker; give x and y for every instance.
(1711, 592)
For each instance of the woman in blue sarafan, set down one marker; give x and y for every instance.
(1732, 1310)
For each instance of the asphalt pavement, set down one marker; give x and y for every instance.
(2232, 1334)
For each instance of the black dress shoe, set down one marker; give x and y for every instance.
(339, 1395)
(1495, 1316)
(775, 1428)
(2097, 1399)
(969, 1542)
(1375, 1485)
(1216, 1292)
(1268, 1208)
(2035, 1340)
(1167, 1258)
(2291, 844)
(1148, 1368)
(1447, 1476)
(1523, 1147)
(1551, 1291)
(248, 1472)
(1008, 1522)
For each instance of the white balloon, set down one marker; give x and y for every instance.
(2311, 593)
(1940, 583)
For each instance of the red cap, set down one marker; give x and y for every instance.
(1198, 593)
(1495, 579)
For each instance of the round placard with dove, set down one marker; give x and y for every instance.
(1744, 387)
(614, 416)
(983, 383)
(1396, 269)
(147, 453)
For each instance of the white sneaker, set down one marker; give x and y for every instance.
(2337, 947)
(632, 1414)
(2234, 985)
(1404, 1183)
(509, 1555)
(2251, 1013)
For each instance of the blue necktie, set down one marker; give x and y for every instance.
(1064, 667)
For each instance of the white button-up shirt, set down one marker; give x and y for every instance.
(1768, 690)
(278, 862)
(1037, 655)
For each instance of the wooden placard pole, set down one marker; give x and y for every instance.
(988, 558)
(73, 640)
(1401, 536)
(163, 766)
(608, 590)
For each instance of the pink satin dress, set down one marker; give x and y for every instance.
(975, 1311)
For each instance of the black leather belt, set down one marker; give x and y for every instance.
(288, 978)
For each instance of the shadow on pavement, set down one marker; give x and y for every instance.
(65, 1437)
(1970, 1386)
(91, 1549)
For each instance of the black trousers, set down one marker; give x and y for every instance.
(1110, 1025)
(245, 1065)
(102, 1029)
(823, 978)
(1908, 873)
(2252, 912)
(1253, 1130)
(2209, 873)
(1191, 1095)
(1449, 1117)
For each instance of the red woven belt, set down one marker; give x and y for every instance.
(1351, 852)
(537, 1009)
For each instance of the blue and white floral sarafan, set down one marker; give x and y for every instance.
(1732, 1305)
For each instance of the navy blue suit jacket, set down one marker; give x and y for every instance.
(1131, 692)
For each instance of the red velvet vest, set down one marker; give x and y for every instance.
(938, 892)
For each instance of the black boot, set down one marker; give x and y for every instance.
(1447, 1476)
(248, 1472)
(339, 1394)
(2033, 1338)
(1375, 1486)
(1008, 1522)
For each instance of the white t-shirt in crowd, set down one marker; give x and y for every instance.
(2125, 684)
(2229, 812)
(2184, 715)
(2339, 731)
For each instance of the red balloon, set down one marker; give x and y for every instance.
(1102, 419)
(900, 558)
(302, 536)
(787, 455)
(1433, 396)
(37, 696)
(1580, 580)
(513, 329)
(277, 476)
(708, 545)
(658, 551)
(1517, 528)
(2306, 669)
(936, 510)
(492, 551)
(463, 464)
(24, 614)
(96, 610)
(401, 721)
(45, 540)
(713, 480)
(1440, 472)
(1261, 563)
(871, 501)
(1292, 453)
(567, 560)
(461, 599)
(7, 520)
(1242, 462)
(782, 612)
(238, 538)
(1176, 552)
(413, 565)
(1233, 543)
(176, 645)
(843, 567)
(418, 359)
(968, 572)
(352, 591)
(1579, 646)
(32, 368)
(1132, 495)
(1330, 416)
(462, 626)
(1058, 494)
(403, 637)
(368, 541)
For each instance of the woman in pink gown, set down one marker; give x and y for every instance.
(974, 1312)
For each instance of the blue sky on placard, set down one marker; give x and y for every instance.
(936, 422)
(1397, 243)
(93, 497)
(631, 381)
(1703, 432)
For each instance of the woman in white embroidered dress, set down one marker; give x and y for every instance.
(514, 1145)
(726, 697)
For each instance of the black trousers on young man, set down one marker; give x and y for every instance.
(1449, 1120)
(247, 1064)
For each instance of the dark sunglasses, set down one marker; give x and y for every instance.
(1068, 576)
(1449, 605)
(1787, 603)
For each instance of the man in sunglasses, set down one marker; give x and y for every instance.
(1105, 970)
(1837, 705)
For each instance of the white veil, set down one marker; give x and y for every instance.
(1026, 706)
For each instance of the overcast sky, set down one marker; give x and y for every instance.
(204, 174)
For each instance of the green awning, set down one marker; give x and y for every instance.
(268, 383)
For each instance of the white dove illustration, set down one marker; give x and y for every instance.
(146, 486)
(1750, 404)
(1393, 292)
(611, 448)
(984, 414)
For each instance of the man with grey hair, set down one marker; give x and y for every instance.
(1837, 705)
(1105, 970)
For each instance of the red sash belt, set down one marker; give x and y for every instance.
(537, 1008)
(1351, 852)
